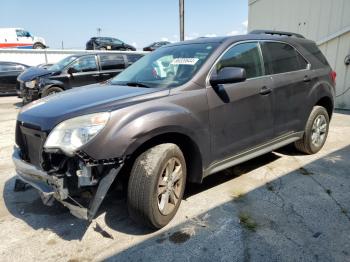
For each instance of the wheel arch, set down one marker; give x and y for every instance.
(327, 103)
(38, 43)
(46, 87)
(187, 145)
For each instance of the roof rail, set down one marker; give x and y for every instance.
(280, 33)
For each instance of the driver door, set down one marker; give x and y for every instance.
(84, 71)
(240, 114)
(24, 39)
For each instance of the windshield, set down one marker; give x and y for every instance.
(62, 64)
(166, 67)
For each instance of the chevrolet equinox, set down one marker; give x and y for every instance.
(177, 115)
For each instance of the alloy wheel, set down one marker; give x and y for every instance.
(319, 131)
(169, 186)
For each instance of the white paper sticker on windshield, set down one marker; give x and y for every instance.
(184, 61)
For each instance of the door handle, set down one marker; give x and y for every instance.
(265, 90)
(306, 79)
(96, 75)
(106, 74)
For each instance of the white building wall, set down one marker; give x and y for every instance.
(327, 22)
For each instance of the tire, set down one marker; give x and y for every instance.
(51, 90)
(146, 205)
(307, 144)
(38, 46)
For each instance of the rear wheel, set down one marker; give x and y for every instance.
(316, 131)
(51, 90)
(156, 185)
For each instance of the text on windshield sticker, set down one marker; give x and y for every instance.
(184, 61)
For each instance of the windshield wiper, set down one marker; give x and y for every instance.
(137, 84)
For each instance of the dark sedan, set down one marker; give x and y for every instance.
(155, 45)
(72, 71)
(8, 76)
(108, 43)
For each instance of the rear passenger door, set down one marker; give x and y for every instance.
(290, 75)
(111, 65)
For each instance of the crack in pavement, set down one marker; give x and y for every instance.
(326, 190)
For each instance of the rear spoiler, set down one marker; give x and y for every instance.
(280, 33)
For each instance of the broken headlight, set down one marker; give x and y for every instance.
(73, 133)
(30, 84)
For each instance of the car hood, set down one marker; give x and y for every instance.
(32, 73)
(47, 112)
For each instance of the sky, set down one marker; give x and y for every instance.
(135, 22)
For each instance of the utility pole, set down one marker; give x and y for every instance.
(182, 19)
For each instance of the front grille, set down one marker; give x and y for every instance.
(31, 142)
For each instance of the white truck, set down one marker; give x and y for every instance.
(20, 38)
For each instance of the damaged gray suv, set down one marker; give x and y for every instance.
(179, 114)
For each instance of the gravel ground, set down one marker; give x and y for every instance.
(282, 206)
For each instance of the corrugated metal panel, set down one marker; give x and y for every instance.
(316, 20)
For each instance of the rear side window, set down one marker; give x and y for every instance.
(281, 58)
(245, 55)
(112, 61)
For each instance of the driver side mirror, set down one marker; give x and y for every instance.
(228, 75)
(71, 70)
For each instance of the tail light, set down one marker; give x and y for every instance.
(333, 75)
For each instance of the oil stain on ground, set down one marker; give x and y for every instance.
(180, 237)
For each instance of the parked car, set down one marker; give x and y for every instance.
(108, 43)
(8, 75)
(219, 102)
(155, 45)
(72, 71)
(20, 38)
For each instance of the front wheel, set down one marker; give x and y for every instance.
(38, 46)
(316, 131)
(156, 185)
(51, 91)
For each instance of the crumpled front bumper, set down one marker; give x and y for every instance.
(51, 187)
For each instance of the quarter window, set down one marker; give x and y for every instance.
(85, 64)
(245, 55)
(281, 58)
(112, 62)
